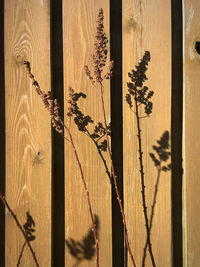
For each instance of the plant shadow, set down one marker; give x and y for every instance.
(160, 157)
(139, 100)
(29, 230)
(85, 248)
(97, 136)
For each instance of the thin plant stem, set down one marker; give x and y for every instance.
(56, 122)
(20, 227)
(86, 194)
(100, 153)
(21, 253)
(114, 177)
(99, 61)
(143, 184)
(152, 213)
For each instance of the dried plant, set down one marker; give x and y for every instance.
(50, 104)
(23, 231)
(83, 121)
(53, 108)
(99, 59)
(139, 95)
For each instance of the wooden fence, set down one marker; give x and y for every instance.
(39, 173)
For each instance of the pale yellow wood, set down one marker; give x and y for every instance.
(28, 128)
(191, 133)
(79, 26)
(147, 26)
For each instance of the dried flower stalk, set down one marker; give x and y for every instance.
(99, 61)
(20, 228)
(53, 108)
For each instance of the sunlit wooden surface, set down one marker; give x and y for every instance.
(28, 129)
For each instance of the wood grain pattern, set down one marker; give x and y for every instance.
(28, 128)
(147, 26)
(79, 26)
(191, 131)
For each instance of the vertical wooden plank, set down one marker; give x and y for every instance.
(28, 128)
(147, 27)
(79, 27)
(2, 135)
(191, 131)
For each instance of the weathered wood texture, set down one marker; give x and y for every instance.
(79, 29)
(147, 27)
(28, 128)
(191, 131)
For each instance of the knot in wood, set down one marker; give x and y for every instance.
(20, 58)
(40, 155)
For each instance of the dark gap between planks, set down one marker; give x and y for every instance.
(176, 130)
(58, 177)
(118, 256)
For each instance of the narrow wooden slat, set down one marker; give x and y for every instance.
(28, 128)
(2, 135)
(147, 26)
(79, 26)
(191, 131)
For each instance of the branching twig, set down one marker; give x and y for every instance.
(100, 153)
(20, 227)
(82, 121)
(53, 107)
(87, 195)
(115, 180)
(99, 61)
